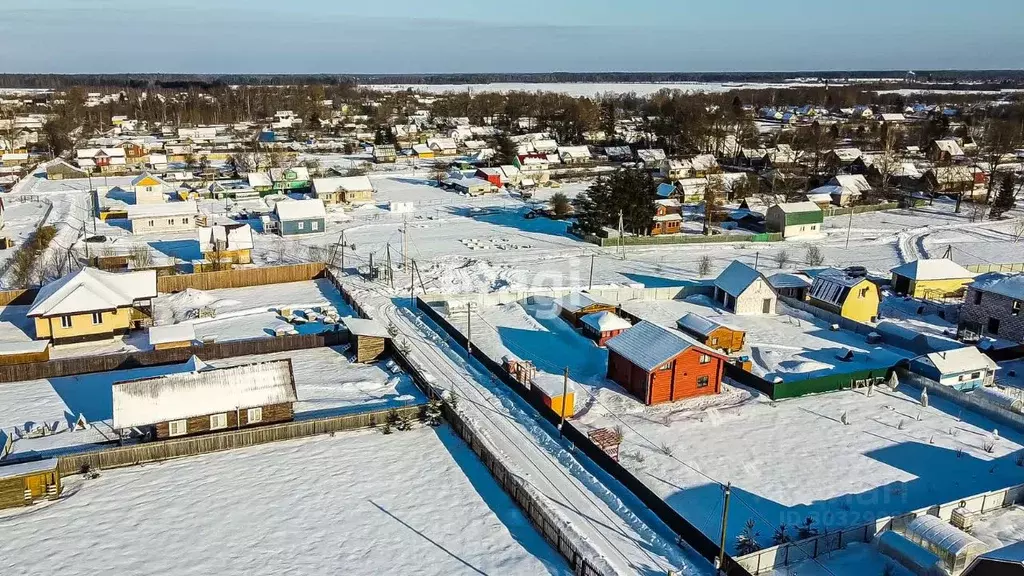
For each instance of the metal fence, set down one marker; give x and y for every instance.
(157, 451)
(1004, 268)
(685, 239)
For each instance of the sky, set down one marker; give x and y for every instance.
(449, 36)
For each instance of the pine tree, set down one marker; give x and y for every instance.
(505, 150)
(433, 413)
(404, 422)
(746, 542)
(1005, 199)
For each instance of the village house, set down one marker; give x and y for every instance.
(667, 216)
(618, 153)
(851, 188)
(944, 150)
(103, 160)
(345, 189)
(61, 170)
(158, 162)
(574, 154)
(603, 326)
(848, 293)
(962, 369)
(260, 182)
(89, 304)
(822, 196)
(288, 179)
(744, 291)
(790, 285)
(676, 169)
(931, 279)
(443, 146)
(206, 399)
(167, 217)
(423, 152)
(493, 175)
(794, 219)
(952, 179)
(704, 165)
(149, 189)
(652, 158)
(994, 307)
(297, 217)
(840, 159)
(384, 154)
(25, 483)
(657, 365)
(471, 186)
(9, 159)
(226, 242)
(714, 335)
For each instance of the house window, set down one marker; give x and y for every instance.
(254, 415)
(814, 227)
(65, 321)
(667, 366)
(975, 375)
(705, 358)
(184, 220)
(993, 326)
(218, 421)
(1015, 308)
(314, 226)
(177, 427)
(714, 341)
(703, 381)
(977, 298)
(300, 226)
(151, 223)
(97, 317)
(864, 292)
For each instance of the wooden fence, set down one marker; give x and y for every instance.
(18, 297)
(128, 360)
(157, 451)
(241, 278)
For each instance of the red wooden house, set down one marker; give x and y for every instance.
(492, 175)
(657, 365)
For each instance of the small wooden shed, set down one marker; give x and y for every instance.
(172, 336)
(603, 326)
(24, 352)
(714, 335)
(573, 307)
(24, 483)
(369, 338)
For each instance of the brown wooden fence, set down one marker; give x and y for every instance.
(18, 297)
(157, 451)
(241, 278)
(128, 360)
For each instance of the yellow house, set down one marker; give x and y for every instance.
(846, 293)
(423, 152)
(91, 304)
(931, 279)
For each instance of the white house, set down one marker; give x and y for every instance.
(745, 291)
(574, 154)
(167, 217)
(794, 219)
(149, 189)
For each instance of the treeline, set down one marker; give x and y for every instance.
(932, 79)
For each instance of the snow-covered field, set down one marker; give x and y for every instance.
(857, 559)
(794, 459)
(588, 89)
(326, 382)
(416, 502)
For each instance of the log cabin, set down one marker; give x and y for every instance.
(369, 339)
(573, 307)
(24, 483)
(657, 365)
(712, 334)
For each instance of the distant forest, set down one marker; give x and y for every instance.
(950, 79)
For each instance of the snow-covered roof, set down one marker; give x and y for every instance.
(605, 321)
(933, 269)
(573, 151)
(294, 174)
(704, 162)
(647, 345)
(698, 324)
(259, 179)
(171, 333)
(202, 392)
(966, 359)
(1012, 554)
(89, 290)
(231, 237)
(364, 327)
(27, 468)
(142, 178)
(651, 155)
(288, 210)
(142, 211)
(998, 283)
(736, 278)
(782, 280)
(797, 207)
(346, 183)
(23, 347)
(852, 183)
(575, 301)
(847, 154)
(949, 146)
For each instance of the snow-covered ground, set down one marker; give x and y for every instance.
(415, 502)
(589, 89)
(1000, 527)
(857, 559)
(794, 459)
(326, 383)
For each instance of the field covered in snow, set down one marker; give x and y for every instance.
(589, 89)
(416, 502)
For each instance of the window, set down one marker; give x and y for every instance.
(151, 223)
(1015, 308)
(97, 317)
(667, 366)
(975, 375)
(814, 226)
(977, 297)
(714, 341)
(993, 326)
(177, 427)
(314, 226)
(184, 220)
(65, 321)
(300, 225)
(705, 358)
(170, 221)
(218, 421)
(254, 415)
(703, 381)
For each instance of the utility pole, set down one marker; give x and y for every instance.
(469, 329)
(342, 251)
(371, 266)
(405, 242)
(849, 228)
(757, 257)
(948, 254)
(725, 517)
(390, 276)
(590, 285)
(412, 285)
(622, 248)
(565, 392)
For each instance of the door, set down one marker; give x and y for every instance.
(766, 306)
(993, 326)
